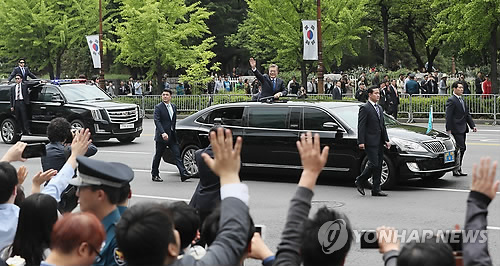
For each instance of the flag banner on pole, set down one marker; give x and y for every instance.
(429, 125)
(93, 42)
(309, 29)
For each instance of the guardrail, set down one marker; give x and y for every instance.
(411, 105)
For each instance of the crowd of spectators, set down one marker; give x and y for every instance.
(107, 232)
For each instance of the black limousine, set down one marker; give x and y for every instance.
(270, 131)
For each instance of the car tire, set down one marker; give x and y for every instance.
(125, 139)
(188, 159)
(433, 177)
(10, 131)
(388, 177)
(77, 124)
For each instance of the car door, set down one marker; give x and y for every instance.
(341, 156)
(48, 105)
(268, 141)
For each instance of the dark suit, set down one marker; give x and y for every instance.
(21, 107)
(27, 73)
(268, 88)
(392, 105)
(337, 93)
(164, 124)
(373, 134)
(457, 119)
(207, 193)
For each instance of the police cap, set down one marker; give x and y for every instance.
(95, 172)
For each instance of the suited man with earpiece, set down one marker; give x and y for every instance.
(22, 70)
(19, 102)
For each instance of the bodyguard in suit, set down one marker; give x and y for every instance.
(372, 137)
(337, 90)
(457, 119)
(392, 105)
(165, 117)
(19, 102)
(271, 84)
(22, 70)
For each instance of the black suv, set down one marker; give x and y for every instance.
(83, 105)
(270, 131)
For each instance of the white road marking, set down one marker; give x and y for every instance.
(149, 171)
(128, 152)
(441, 189)
(492, 227)
(158, 197)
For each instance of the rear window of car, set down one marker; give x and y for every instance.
(268, 117)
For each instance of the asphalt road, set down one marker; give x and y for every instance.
(412, 205)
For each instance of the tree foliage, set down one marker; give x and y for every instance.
(43, 30)
(273, 30)
(161, 34)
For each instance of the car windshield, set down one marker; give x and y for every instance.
(349, 114)
(83, 92)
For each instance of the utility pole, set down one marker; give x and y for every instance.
(320, 50)
(102, 84)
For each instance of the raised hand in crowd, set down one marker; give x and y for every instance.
(312, 158)
(79, 146)
(259, 249)
(483, 190)
(483, 178)
(40, 178)
(227, 160)
(15, 153)
(387, 239)
(22, 173)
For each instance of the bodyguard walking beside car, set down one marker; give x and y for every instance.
(457, 119)
(19, 101)
(372, 137)
(165, 117)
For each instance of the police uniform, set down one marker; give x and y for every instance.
(93, 172)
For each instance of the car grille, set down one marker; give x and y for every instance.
(128, 115)
(434, 146)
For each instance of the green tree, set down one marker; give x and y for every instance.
(43, 30)
(273, 31)
(161, 34)
(470, 25)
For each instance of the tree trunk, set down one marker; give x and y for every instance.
(430, 58)
(411, 41)
(384, 10)
(303, 73)
(58, 65)
(493, 58)
(50, 69)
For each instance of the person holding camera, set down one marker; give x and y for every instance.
(58, 150)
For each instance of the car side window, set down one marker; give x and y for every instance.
(49, 94)
(5, 93)
(315, 118)
(230, 116)
(268, 117)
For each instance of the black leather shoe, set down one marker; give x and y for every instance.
(156, 179)
(379, 194)
(360, 188)
(185, 177)
(462, 173)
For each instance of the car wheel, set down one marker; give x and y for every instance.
(9, 131)
(433, 177)
(126, 139)
(77, 124)
(189, 160)
(388, 177)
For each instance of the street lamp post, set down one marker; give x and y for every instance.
(320, 50)
(102, 84)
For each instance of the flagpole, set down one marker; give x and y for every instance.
(320, 50)
(102, 84)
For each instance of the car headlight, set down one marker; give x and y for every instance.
(140, 113)
(453, 140)
(96, 114)
(407, 145)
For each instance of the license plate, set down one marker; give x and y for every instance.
(126, 126)
(449, 156)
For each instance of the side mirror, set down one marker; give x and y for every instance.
(331, 126)
(218, 121)
(57, 98)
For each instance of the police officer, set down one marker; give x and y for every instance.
(99, 184)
